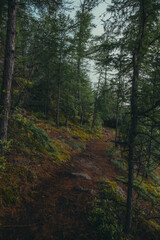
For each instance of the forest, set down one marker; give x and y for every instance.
(79, 119)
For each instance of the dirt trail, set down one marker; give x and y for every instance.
(59, 207)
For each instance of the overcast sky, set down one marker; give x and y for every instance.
(98, 30)
(98, 13)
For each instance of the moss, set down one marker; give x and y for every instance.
(148, 191)
(109, 189)
(12, 182)
(76, 145)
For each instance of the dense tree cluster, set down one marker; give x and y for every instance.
(132, 52)
(49, 52)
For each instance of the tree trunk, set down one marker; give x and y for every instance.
(47, 93)
(132, 138)
(58, 102)
(0, 41)
(8, 70)
(79, 103)
(118, 103)
(59, 85)
(96, 101)
(137, 56)
(117, 121)
(149, 151)
(1, 17)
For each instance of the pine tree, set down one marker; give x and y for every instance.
(8, 71)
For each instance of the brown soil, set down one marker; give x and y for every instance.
(58, 207)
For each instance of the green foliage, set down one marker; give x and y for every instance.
(2, 164)
(77, 145)
(114, 155)
(25, 174)
(121, 164)
(148, 229)
(13, 182)
(9, 188)
(148, 191)
(8, 195)
(5, 149)
(29, 135)
(107, 212)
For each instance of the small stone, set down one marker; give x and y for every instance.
(81, 189)
(121, 192)
(84, 175)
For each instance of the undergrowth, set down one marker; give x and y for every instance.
(114, 155)
(33, 142)
(12, 182)
(107, 214)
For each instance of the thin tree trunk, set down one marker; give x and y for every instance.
(8, 70)
(117, 121)
(96, 101)
(79, 87)
(47, 99)
(58, 102)
(152, 124)
(149, 151)
(1, 17)
(0, 41)
(132, 138)
(118, 104)
(59, 86)
(80, 58)
(47, 93)
(66, 123)
(137, 56)
(81, 120)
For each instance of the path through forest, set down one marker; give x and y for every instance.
(59, 208)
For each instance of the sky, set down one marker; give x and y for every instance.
(98, 13)
(98, 30)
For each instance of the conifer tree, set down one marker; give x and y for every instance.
(8, 70)
(133, 25)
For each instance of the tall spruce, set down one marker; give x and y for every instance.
(133, 27)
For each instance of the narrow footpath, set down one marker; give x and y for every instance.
(59, 206)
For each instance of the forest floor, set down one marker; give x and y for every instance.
(46, 199)
(59, 206)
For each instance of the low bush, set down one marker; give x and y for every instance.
(107, 212)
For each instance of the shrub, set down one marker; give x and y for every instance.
(107, 212)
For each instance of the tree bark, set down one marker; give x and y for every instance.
(96, 100)
(59, 85)
(137, 56)
(8, 70)
(118, 104)
(2, 3)
(132, 138)
(117, 122)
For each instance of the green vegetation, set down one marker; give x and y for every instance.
(36, 142)
(108, 210)
(49, 108)
(107, 214)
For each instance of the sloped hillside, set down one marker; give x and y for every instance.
(64, 183)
